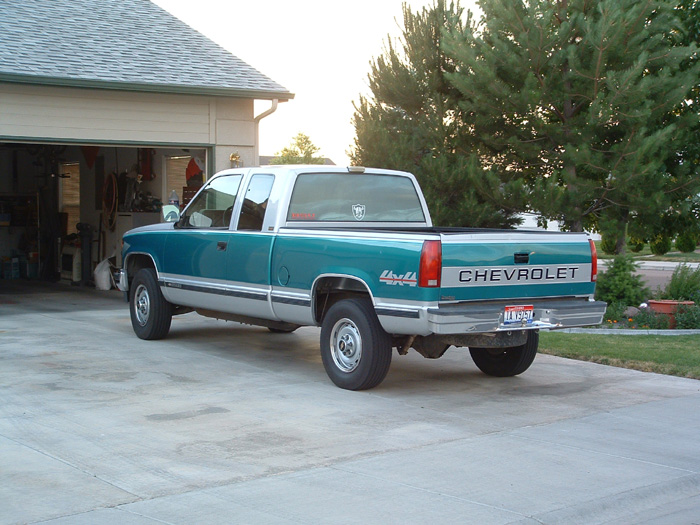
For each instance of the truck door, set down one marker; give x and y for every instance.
(248, 257)
(195, 254)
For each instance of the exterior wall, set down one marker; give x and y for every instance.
(119, 122)
(235, 132)
(85, 116)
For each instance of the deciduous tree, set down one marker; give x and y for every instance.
(300, 151)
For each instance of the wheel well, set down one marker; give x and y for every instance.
(330, 290)
(136, 262)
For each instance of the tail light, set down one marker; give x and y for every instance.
(430, 265)
(594, 261)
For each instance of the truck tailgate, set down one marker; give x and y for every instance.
(522, 265)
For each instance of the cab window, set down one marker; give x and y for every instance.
(212, 207)
(255, 203)
(342, 197)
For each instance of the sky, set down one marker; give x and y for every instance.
(320, 50)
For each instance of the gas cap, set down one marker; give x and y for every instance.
(283, 276)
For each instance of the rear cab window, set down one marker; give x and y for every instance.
(339, 197)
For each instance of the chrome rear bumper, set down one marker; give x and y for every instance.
(549, 314)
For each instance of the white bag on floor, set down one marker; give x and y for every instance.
(103, 277)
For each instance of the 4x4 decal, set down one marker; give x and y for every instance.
(408, 278)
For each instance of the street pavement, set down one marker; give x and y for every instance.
(654, 274)
(222, 423)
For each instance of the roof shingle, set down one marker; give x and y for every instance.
(119, 44)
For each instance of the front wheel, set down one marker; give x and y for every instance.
(509, 361)
(355, 349)
(151, 314)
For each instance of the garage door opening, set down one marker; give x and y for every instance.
(65, 207)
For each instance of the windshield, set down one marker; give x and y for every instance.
(340, 197)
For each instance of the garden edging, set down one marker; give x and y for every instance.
(624, 331)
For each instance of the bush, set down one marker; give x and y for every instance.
(615, 311)
(660, 245)
(608, 243)
(620, 284)
(688, 317)
(685, 242)
(636, 245)
(651, 320)
(684, 284)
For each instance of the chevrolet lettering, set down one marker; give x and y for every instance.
(354, 252)
(514, 275)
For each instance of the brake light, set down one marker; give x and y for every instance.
(430, 265)
(594, 261)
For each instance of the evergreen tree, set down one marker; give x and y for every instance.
(412, 121)
(584, 102)
(300, 151)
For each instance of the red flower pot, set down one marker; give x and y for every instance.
(668, 307)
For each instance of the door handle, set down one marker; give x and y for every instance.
(221, 246)
(521, 258)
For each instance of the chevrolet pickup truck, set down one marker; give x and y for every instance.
(353, 250)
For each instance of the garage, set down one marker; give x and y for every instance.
(105, 116)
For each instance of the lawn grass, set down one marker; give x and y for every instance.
(670, 355)
(675, 257)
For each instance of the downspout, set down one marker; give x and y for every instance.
(270, 111)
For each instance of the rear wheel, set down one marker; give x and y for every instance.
(355, 349)
(506, 362)
(151, 314)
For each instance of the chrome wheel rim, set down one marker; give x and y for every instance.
(346, 345)
(142, 305)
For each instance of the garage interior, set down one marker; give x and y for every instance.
(104, 116)
(65, 207)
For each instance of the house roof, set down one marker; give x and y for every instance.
(120, 44)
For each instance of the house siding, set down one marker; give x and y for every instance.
(93, 116)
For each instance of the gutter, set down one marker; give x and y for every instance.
(267, 112)
(145, 87)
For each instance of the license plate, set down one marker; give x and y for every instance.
(520, 314)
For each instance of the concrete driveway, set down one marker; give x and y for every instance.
(223, 423)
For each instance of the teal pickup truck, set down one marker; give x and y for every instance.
(353, 250)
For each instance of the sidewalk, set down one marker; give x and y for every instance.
(651, 265)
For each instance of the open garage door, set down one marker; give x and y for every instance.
(64, 207)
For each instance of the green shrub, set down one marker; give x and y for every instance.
(636, 245)
(608, 243)
(620, 284)
(615, 311)
(688, 317)
(685, 242)
(649, 320)
(660, 245)
(684, 284)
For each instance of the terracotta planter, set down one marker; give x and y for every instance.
(668, 307)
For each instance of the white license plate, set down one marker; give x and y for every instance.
(519, 314)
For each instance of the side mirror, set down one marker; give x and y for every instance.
(171, 213)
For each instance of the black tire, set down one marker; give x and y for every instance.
(151, 314)
(507, 362)
(355, 349)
